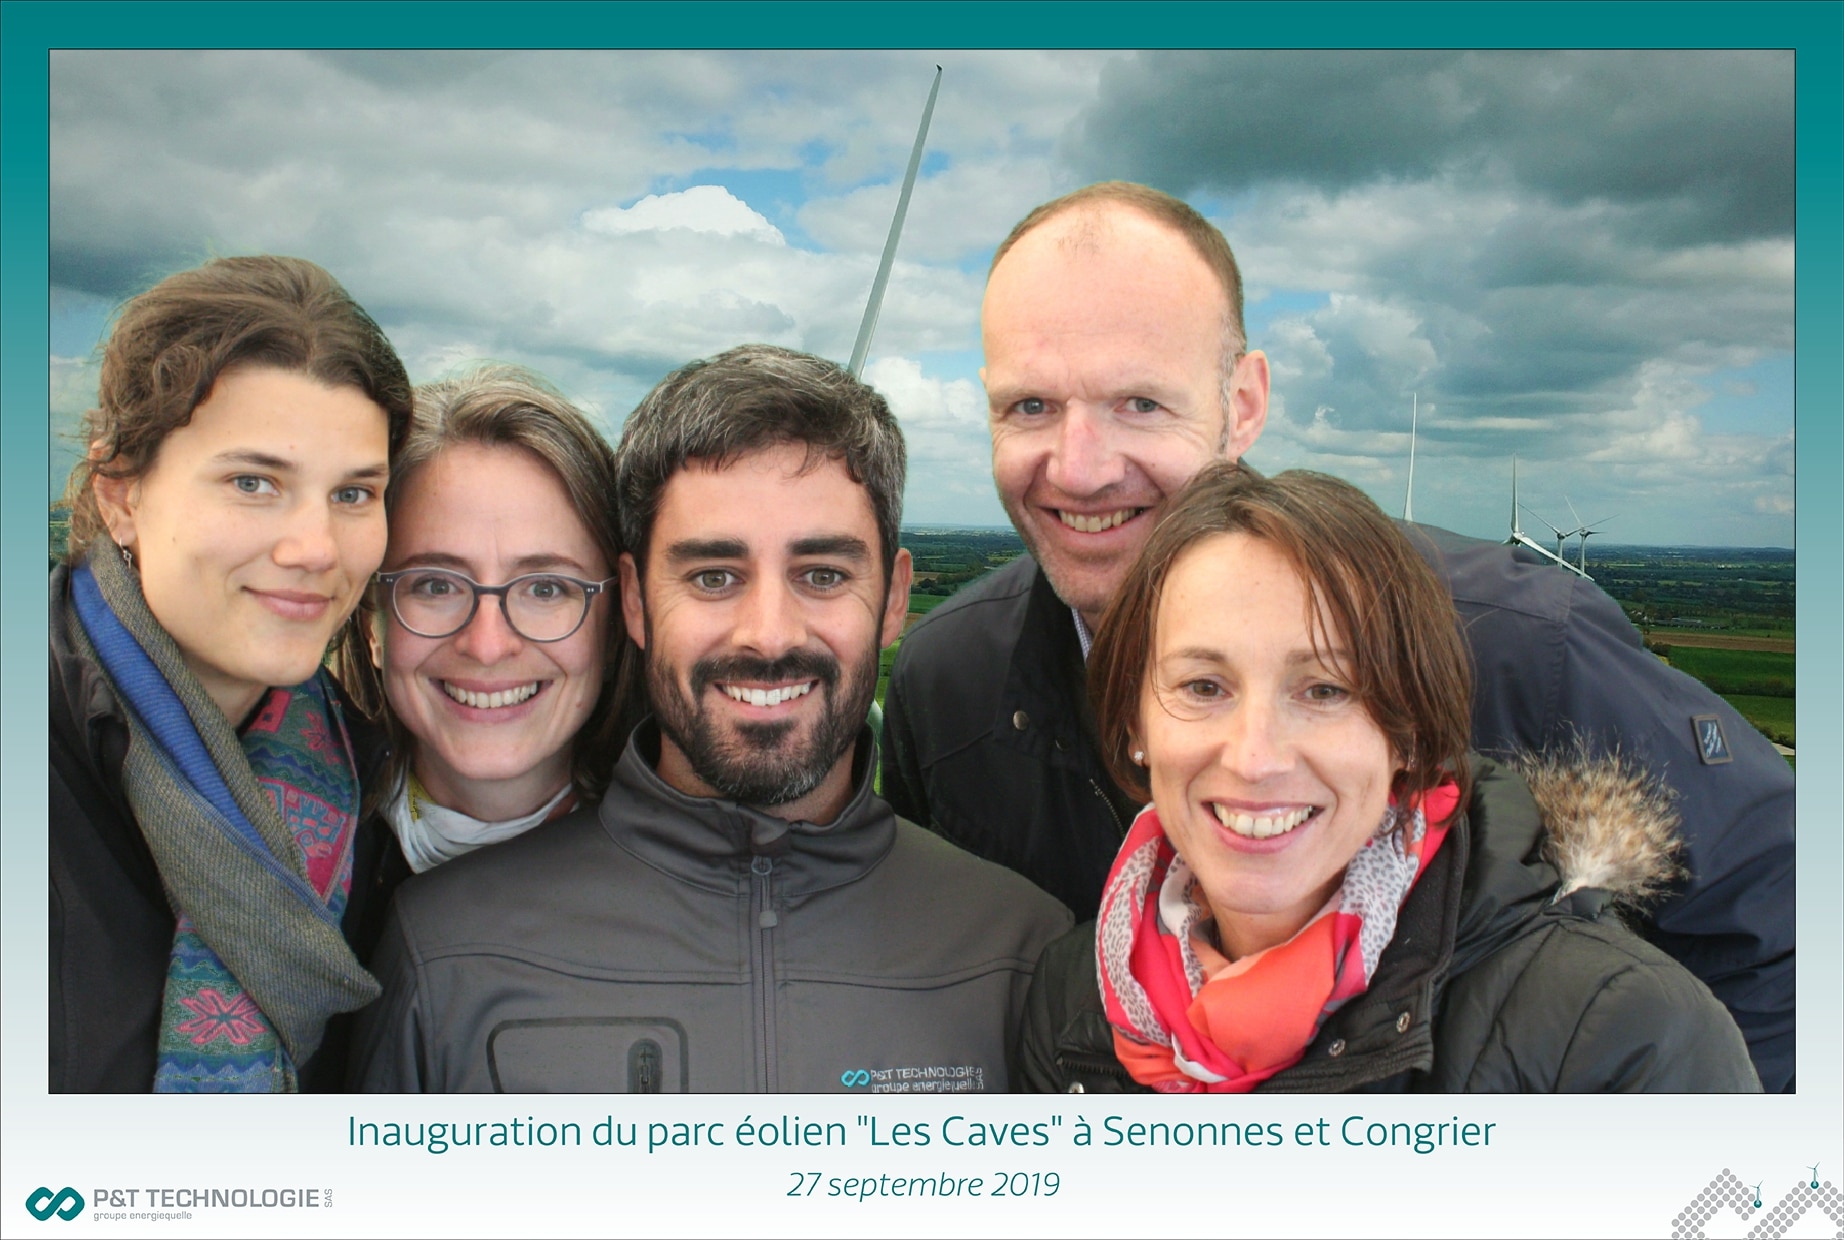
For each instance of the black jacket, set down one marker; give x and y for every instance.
(111, 925)
(988, 739)
(664, 943)
(1492, 984)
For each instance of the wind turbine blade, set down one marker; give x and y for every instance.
(1552, 529)
(875, 306)
(1517, 529)
(1573, 513)
(1408, 500)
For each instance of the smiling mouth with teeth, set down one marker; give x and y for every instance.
(492, 701)
(1084, 523)
(1262, 826)
(769, 697)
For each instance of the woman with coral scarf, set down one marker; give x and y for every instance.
(1326, 893)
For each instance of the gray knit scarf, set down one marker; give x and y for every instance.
(294, 963)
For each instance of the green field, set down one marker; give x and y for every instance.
(1753, 673)
(1772, 715)
(883, 669)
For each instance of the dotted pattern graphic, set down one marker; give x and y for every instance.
(1776, 1220)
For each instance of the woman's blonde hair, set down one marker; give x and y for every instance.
(498, 405)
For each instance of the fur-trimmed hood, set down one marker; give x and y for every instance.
(1610, 824)
(1563, 832)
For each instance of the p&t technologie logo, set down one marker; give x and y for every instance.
(66, 1203)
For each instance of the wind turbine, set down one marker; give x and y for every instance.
(1519, 538)
(875, 305)
(1408, 501)
(1560, 536)
(1586, 530)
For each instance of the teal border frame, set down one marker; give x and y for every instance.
(30, 28)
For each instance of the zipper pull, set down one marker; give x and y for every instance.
(762, 867)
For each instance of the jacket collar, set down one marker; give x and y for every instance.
(82, 692)
(1044, 710)
(1389, 1028)
(712, 842)
(89, 731)
(1047, 670)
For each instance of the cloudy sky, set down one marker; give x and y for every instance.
(1584, 259)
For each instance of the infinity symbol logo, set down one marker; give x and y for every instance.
(67, 1204)
(851, 1079)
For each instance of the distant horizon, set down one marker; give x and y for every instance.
(936, 527)
(1603, 548)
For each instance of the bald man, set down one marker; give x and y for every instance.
(1116, 367)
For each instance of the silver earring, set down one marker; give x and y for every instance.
(128, 557)
(1139, 757)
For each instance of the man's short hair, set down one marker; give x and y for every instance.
(750, 398)
(1205, 239)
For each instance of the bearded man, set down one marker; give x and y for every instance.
(741, 912)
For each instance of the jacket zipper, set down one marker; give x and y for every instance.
(763, 968)
(1118, 824)
(1081, 1061)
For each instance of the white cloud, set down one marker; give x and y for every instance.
(944, 428)
(1779, 504)
(963, 211)
(702, 208)
(473, 201)
(73, 387)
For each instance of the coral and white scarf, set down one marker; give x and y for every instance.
(1185, 1019)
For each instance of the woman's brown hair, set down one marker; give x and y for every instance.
(1408, 664)
(170, 344)
(496, 405)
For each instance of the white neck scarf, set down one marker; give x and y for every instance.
(431, 833)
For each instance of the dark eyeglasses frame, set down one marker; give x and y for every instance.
(590, 590)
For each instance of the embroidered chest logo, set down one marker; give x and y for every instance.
(962, 1078)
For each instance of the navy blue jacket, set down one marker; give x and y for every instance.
(988, 738)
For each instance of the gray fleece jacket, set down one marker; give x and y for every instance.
(664, 943)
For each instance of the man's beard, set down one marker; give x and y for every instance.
(756, 767)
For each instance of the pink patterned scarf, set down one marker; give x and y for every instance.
(1185, 1020)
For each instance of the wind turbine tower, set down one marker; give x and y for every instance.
(1587, 530)
(1408, 501)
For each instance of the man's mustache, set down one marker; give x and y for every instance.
(795, 665)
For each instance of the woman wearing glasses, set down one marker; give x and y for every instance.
(487, 636)
(209, 863)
